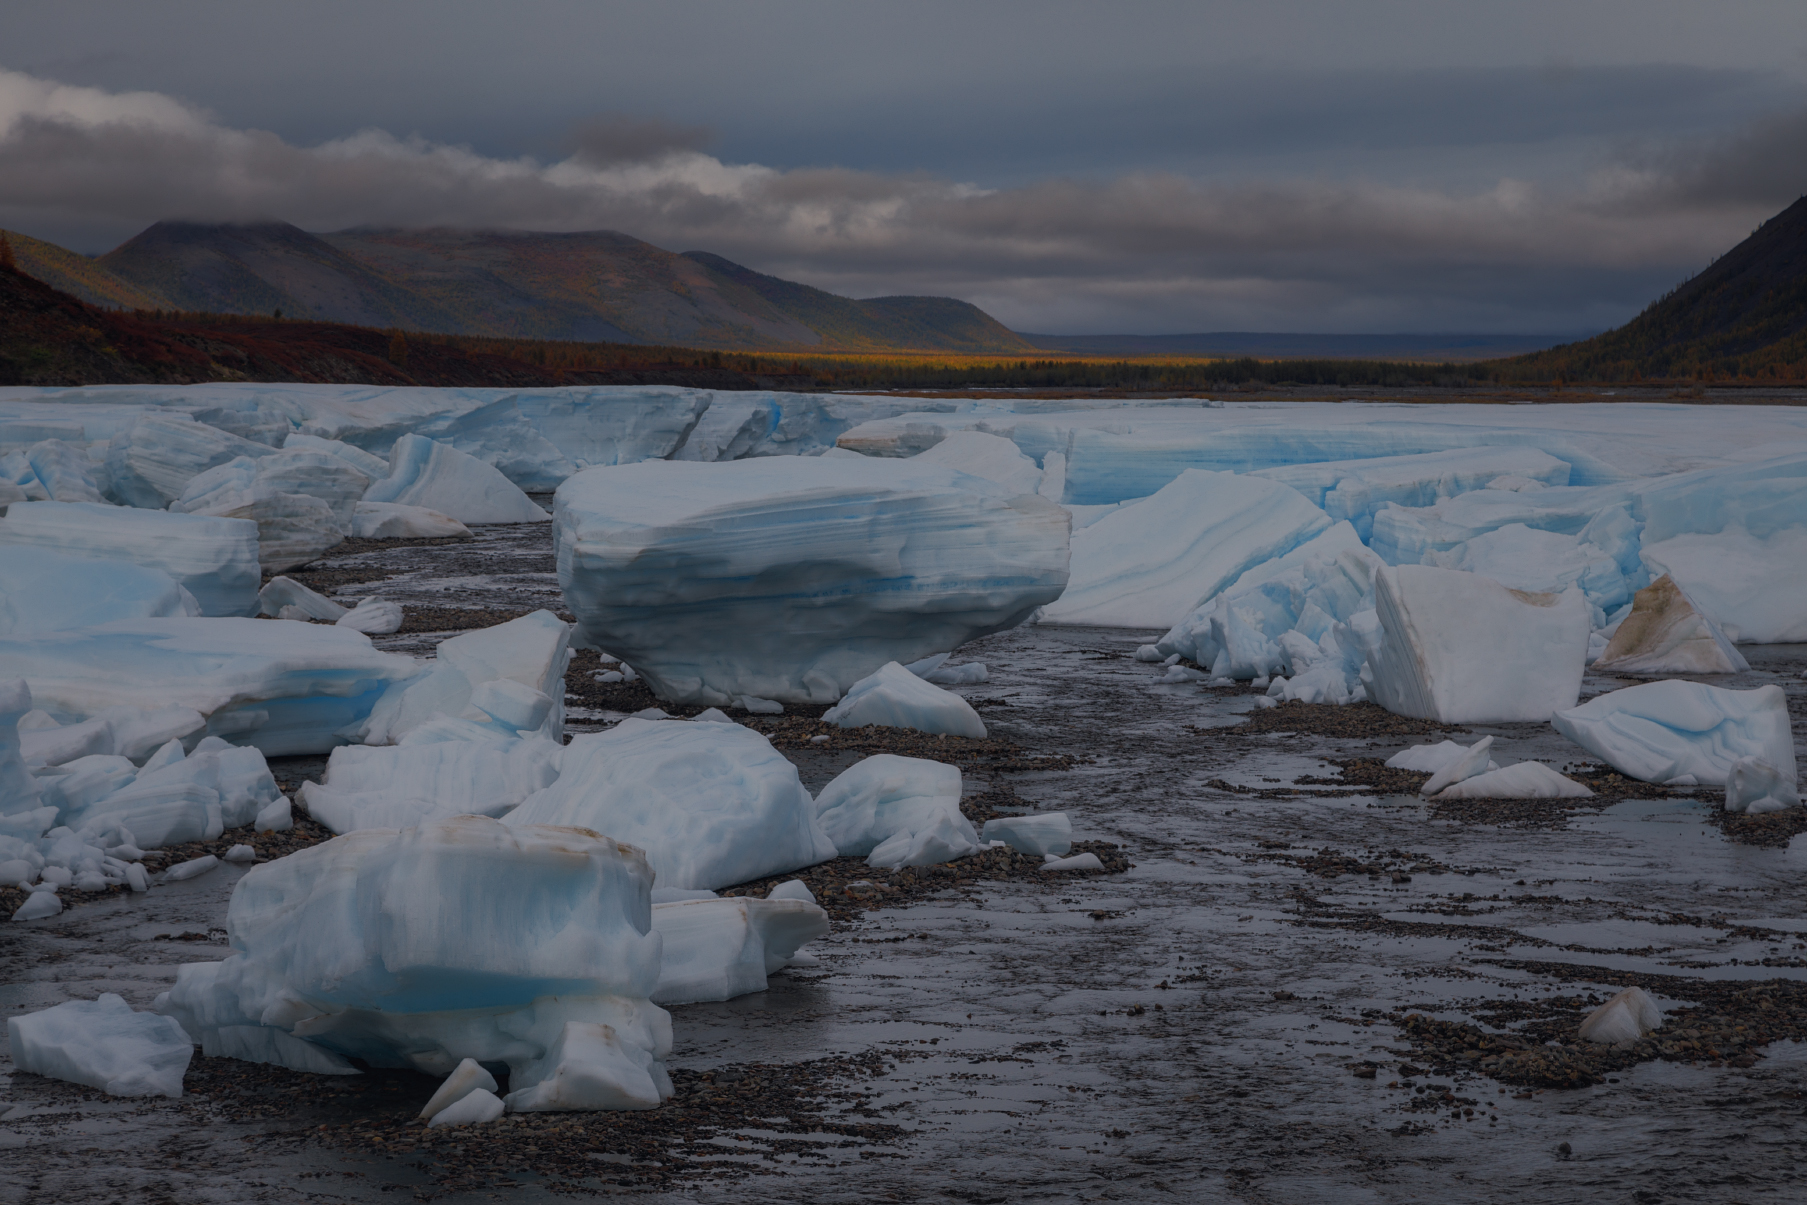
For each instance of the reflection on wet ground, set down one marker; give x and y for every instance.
(1323, 995)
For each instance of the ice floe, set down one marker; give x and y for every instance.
(711, 805)
(1684, 732)
(103, 1044)
(881, 796)
(793, 580)
(426, 473)
(893, 697)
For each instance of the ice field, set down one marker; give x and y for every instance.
(230, 615)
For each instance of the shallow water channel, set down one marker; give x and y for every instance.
(1223, 1021)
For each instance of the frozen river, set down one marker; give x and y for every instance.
(1227, 1020)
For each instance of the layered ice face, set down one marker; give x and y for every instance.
(214, 559)
(793, 579)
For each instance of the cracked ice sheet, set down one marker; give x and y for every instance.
(1224, 1092)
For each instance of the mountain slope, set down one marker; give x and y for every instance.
(1744, 316)
(80, 276)
(879, 323)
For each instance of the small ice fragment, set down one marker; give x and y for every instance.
(56, 877)
(1263, 702)
(820, 739)
(16, 872)
(651, 713)
(713, 715)
(792, 889)
(1148, 652)
(190, 869)
(479, 1107)
(241, 853)
(136, 878)
(1625, 1018)
(468, 1077)
(1086, 861)
(275, 817)
(1754, 787)
(1222, 681)
(104, 1044)
(758, 706)
(1261, 683)
(1526, 780)
(610, 676)
(373, 617)
(1474, 761)
(1180, 673)
(1047, 833)
(39, 904)
(1173, 660)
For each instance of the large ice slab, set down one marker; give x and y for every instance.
(424, 472)
(1754, 587)
(1675, 730)
(215, 560)
(459, 939)
(893, 697)
(792, 580)
(1356, 489)
(1459, 648)
(1148, 564)
(42, 590)
(53, 471)
(723, 948)
(282, 687)
(103, 1044)
(151, 462)
(712, 805)
(400, 786)
(989, 456)
(1667, 634)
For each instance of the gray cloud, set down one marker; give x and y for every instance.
(1147, 251)
(616, 138)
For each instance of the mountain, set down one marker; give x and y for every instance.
(595, 286)
(1271, 346)
(1745, 316)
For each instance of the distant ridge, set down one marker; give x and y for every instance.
(593, 286)
(1261, 345)
(1745, 316)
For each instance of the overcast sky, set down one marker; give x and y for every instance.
(1542, 166)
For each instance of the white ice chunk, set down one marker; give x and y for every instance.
(103, 1044)
(193, 868)
(64, 471)
(511, 704)
(474, 940)
(792, 889)
(1459, 648)
(1667, 634)
(1357, 489)
(1662, 731)
(466, 1078)
(399, 786)
(46, 591)
(214, 559)
(1037, 833)
(1526, 780)
(18, 789)
(757, 706)
(373, 467)
(1149, 564)
(241, 853)
(1755, 787)
(987, 456)
(425, 472)
(722, 948)
(394, 521)
(1431, 759)
(1625, 1018)
(532, 650)
(792, 580)
(275, 818)
(152, 461)
(480, 1106)
(1525, 558)
(373, 617)
(711, 804)
(42, 902)
(1085, 861)
(590, 1065)
(712, 715)
(893, 697)
(881, 796)
(1467, 764)
(282, 592)
(946, 837)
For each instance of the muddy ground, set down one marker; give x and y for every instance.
(1295, 983)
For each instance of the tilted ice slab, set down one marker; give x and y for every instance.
(531, 651)
(711, 805)
(174, 798)
(880, 796)
(1147, 565)
(720, 949)
(42, 590)
(282, 687)
(893, 697)
(1753, 587)
(793, 579)
(1667, 634)
(215, 560)
(1356, 489)
(989, 456)
(1460, 648)
(404, 785)
(463, 938)
(1688, 731)
(18, 789)
(439, 477)
(51, 471)
(151, 463)
(103, 1044)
